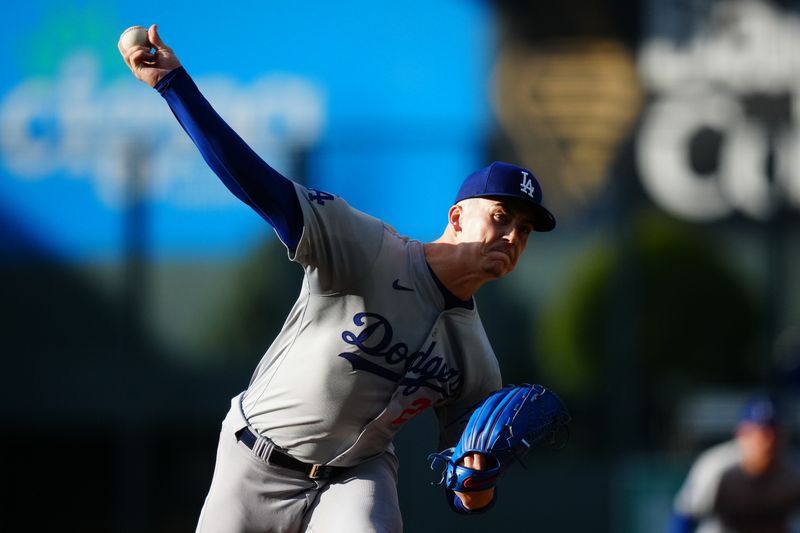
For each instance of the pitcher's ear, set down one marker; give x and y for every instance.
(454, 217)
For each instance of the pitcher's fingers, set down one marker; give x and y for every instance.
(475, 460)
(155, 38)
(139, 56)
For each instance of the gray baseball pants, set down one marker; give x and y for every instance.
(249, 495)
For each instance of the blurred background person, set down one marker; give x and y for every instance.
(745, 485)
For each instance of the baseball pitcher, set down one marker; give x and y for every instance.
(384, 328)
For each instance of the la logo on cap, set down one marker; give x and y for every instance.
(526, 185)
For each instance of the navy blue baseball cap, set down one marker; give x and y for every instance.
(760, 410)
(505, 179)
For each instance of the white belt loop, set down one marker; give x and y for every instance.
(263, 448)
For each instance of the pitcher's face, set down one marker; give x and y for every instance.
(498, 229)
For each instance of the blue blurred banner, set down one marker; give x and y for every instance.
(383, 104)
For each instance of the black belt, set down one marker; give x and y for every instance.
(279, 458)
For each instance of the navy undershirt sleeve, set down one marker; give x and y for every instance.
(680, 523)
(242, 171)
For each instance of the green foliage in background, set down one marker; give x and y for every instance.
(268, 285)
(646, 317)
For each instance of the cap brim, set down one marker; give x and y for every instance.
(543, 220)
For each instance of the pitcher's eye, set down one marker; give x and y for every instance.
(500, 217)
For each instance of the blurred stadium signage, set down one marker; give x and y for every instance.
(78, 153)
(721, 134)
(565, 108)
(72, 125)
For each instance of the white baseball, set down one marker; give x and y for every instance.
(134, 36)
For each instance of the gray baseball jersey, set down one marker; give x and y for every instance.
(698, 493)
(367, 346)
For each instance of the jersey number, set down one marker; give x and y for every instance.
(319, 196)
(420, 405)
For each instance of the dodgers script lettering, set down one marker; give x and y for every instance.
(421, 368)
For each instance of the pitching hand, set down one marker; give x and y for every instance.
(479, 499)
(146, 66)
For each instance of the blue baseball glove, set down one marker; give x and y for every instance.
(504, 427)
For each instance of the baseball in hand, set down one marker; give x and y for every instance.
(134, 36)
